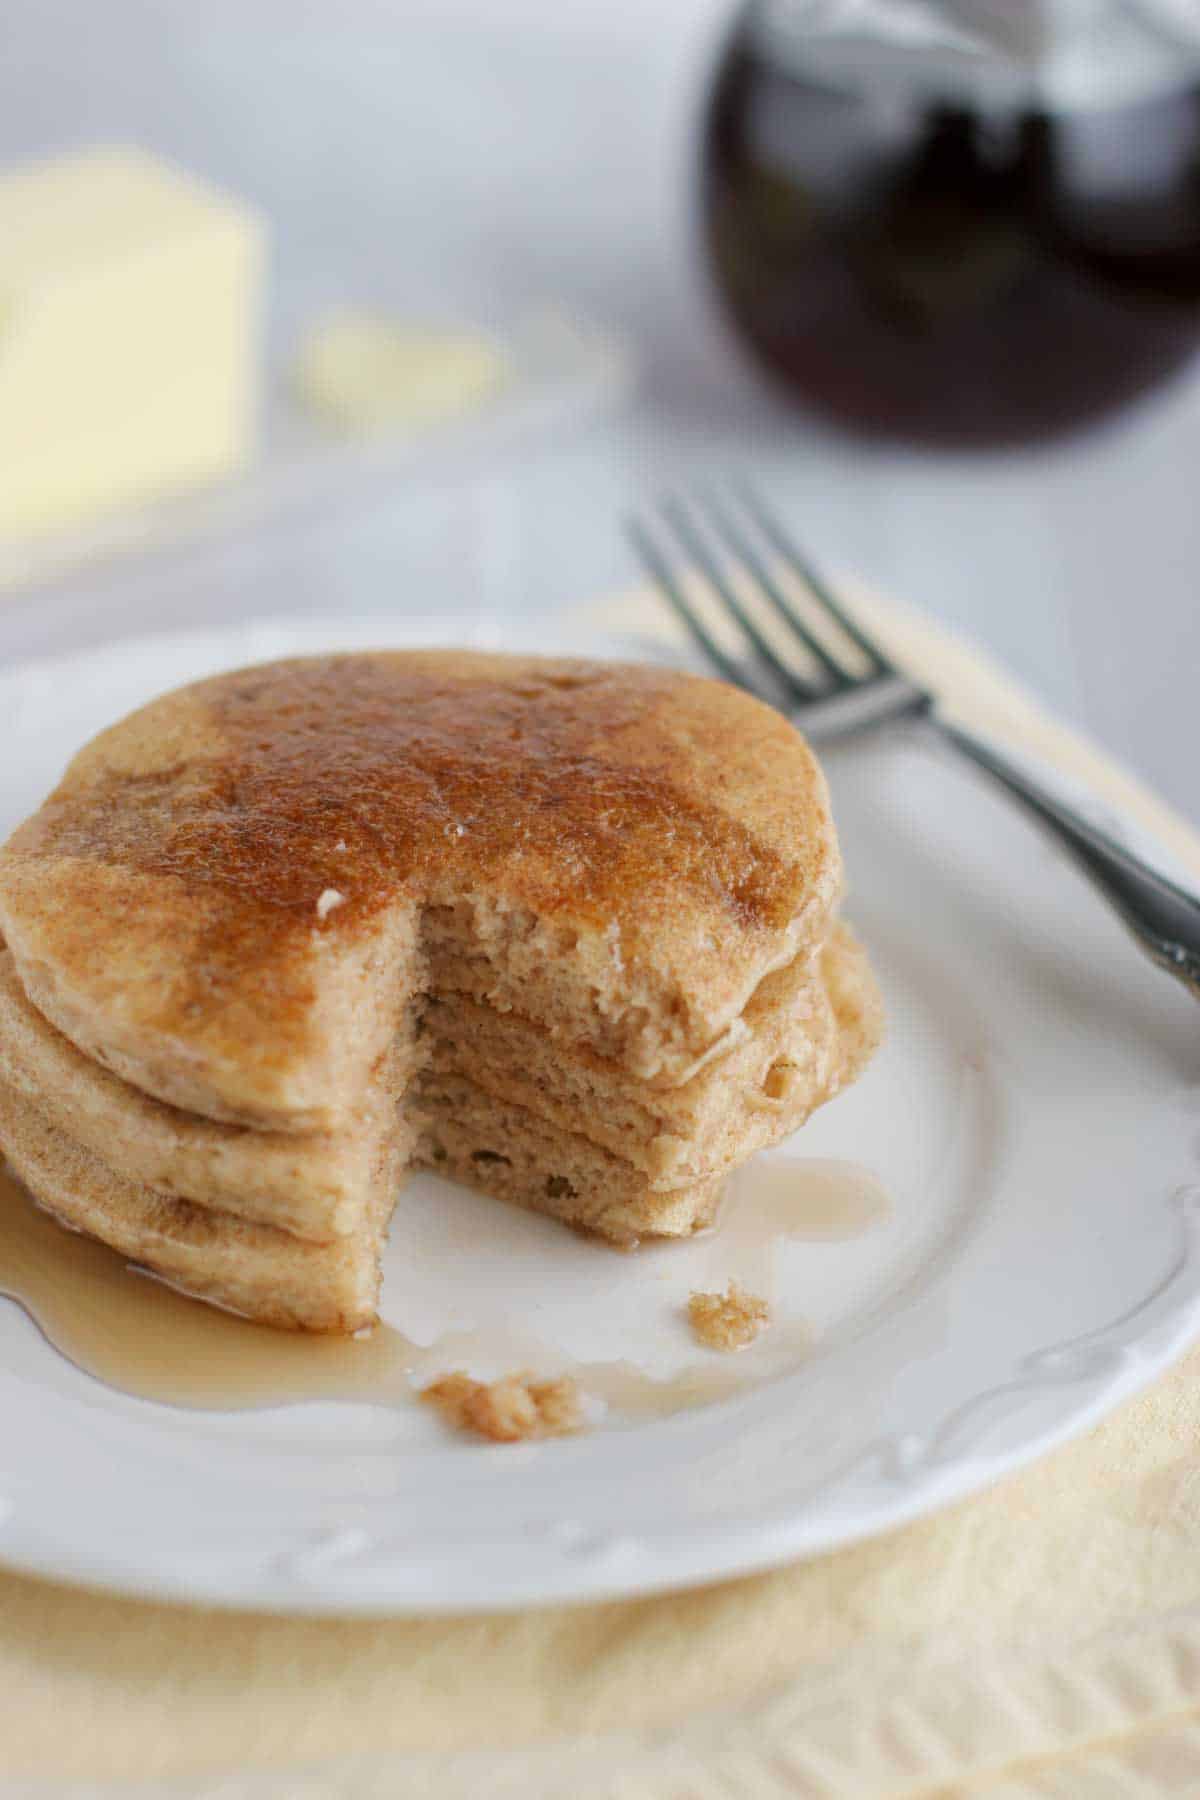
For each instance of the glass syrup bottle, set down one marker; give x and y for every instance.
(962, 222)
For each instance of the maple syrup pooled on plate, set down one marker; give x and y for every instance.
(139, 1336)
(142, 1338)
(807, 1200)
(814, 1199)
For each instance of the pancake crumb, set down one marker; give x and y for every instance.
(329, 899)
(728, 1321)
(508, 1411)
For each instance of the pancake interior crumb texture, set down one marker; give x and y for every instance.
(563, 930)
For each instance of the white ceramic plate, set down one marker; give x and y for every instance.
(1034, 1117)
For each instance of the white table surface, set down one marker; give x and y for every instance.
(437, 154)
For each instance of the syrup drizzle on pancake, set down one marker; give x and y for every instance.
(363, 775)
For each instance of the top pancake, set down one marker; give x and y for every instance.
(631, 849)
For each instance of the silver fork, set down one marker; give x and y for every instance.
(833, 680)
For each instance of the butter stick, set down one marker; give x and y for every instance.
(130, 303)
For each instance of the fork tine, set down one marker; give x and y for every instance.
(743, 549)
(659, 571)
(676, 515)
(813, 581)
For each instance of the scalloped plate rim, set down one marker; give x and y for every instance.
(700, 1552)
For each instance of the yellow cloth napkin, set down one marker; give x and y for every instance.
(1040, 1639)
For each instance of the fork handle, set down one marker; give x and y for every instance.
(1164, 918)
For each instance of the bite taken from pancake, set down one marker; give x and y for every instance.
(562, 930)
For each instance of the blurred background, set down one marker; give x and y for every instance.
(601, 268)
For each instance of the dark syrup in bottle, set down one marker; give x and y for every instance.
(962, 249)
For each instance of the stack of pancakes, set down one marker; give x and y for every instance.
(564, 931)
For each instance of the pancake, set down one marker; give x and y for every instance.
(252, 1269)
(809, 1030)
(517, 1155)
(312, 1186)
(626, 851)
(561, 930)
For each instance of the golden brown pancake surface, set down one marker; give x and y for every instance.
(165, 905)
(576, 787)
